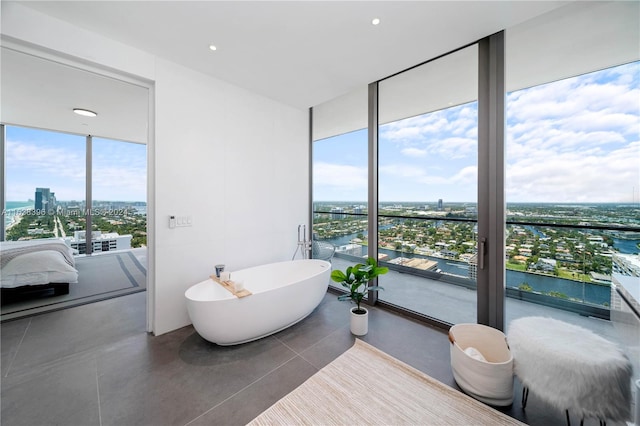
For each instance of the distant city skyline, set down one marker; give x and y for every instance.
(575, 140)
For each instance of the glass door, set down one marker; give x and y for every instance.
(427, 187)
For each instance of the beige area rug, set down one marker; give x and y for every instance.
(366, 386)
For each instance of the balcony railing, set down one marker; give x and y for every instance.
(565, 266)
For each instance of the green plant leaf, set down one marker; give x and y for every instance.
(356, 279)
(338, 276)
(380, 270)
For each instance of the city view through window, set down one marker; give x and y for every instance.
(572, 187)
(46, 188)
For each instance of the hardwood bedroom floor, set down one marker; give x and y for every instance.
(96, 365)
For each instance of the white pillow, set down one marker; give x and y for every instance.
(475, 354)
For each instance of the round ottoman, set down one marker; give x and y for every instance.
(571, 368)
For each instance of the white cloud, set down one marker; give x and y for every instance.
(564, 140)
(42, 160)
(117, 175)
(405, 171)
(455, 147)
(456, 122)
(409, 174)
(414, 152)
(340, 177)
(467, 175)
(119, 183)
(414, 128)
(575, 176)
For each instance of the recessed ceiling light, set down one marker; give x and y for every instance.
(375, 21)
(212, 47)
(85, 112)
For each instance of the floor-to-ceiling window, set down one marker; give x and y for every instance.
(572, 180)
(119, 194)
(571, 175)
(572, 188)
(340, 175)
(45, 183)
(46, 187)
(427, 186)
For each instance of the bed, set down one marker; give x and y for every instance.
(31, 267)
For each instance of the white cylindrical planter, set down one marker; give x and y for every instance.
(359, 322)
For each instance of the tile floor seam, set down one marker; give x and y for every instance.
(42, 368)
(244, 388)
(287, 346)
(318, 342)
(18, 348)
(95, 361)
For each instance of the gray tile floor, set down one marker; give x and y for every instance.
(96, 365)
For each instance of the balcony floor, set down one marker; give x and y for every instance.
(456, 304)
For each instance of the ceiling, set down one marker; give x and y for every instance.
(300, 53)
(42, 93)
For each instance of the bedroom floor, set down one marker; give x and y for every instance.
(100, 277)
(96, 365)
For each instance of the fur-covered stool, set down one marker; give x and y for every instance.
(571, 368)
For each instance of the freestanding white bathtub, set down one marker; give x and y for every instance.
(283, 293)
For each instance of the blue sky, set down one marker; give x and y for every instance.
(574, 140)
(37, 158)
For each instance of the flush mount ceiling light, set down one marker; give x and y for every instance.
(375, 21)
(212, 47)
(85, 112)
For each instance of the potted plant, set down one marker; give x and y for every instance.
(356, 280)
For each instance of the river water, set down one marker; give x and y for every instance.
(626, 246)
(586, 292)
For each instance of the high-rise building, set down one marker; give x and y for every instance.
(337, 213)
(440, 204)
(44, 200)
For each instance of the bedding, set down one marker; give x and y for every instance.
(36, 262)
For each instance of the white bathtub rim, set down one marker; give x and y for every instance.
(227, 295)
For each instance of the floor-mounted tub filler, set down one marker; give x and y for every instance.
(282, 294)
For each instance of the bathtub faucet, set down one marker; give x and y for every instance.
(304, 245)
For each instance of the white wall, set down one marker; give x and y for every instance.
(238, 165)
(236, 162)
